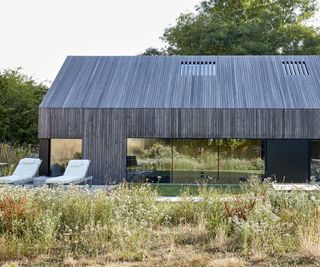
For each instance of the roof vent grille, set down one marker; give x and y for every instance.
(198, 68)
(295, 68)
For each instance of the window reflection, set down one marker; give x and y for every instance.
(195, 161)
(63, 150)
(315, 161)
(184, 161)
(149, 160)
(239, 159)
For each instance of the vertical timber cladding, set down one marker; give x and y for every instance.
(103, 134)
(105, 131)
(105, 144)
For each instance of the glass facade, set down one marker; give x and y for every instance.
(239, 159)
(149, 160)
(184, 161)
(195, 161)
(63, 150)
(315, 161)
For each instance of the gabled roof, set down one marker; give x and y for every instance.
(183, 82)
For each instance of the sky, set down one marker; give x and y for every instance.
(38, 35)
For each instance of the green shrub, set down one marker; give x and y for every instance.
(19, 104)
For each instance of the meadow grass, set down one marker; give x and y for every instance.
(11, 155)
(127, 226)
(192, 189)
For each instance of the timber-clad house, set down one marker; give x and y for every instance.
(184, 119)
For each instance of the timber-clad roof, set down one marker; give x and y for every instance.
(185, 82)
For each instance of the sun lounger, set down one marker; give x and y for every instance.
(75, 173)
(24, 173)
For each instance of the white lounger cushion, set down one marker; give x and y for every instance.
(25, 171)
(15, 179)
(76, 171)
(77, 168)
(63, 180)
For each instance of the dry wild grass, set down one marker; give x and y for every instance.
(309, 237)
(11, 155)
(128, 227)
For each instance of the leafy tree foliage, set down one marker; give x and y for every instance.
(20, 97)
(152, 51)
(238, 27)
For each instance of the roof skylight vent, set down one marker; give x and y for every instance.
(198, 68)
(295, 68)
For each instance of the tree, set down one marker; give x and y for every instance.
(240, 27)
(151, 51)
(19, 102)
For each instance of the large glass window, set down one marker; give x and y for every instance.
(195, 161)
(149, 160)
(239, 159)
(63, 150)
(183, 161)
(315, 161)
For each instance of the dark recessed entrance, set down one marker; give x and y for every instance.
(287, 160)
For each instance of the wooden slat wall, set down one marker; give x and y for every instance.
(104, 131)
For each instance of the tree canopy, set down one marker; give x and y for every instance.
(244, 27)
(19, 102)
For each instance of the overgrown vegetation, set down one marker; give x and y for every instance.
(19, 103)
(75, 226)
(11, 155)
